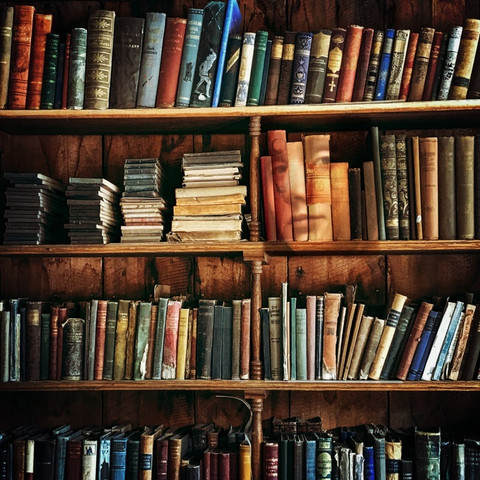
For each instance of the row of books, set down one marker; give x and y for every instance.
(124, 340)
(333, 337)
(414, 188)
(201, 451)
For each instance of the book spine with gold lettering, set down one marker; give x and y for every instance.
(286, 68)
(429, 186)
(318, 66)
(390, 193)
(301, 60)
(258, 63)
(399, 53)
(273, 77)
(120, 340)
(348, 70)
(464, 175)
(334, 64)
(384, 68)
(362, 65)
(6, 24)
(373, 66)
(420, 65)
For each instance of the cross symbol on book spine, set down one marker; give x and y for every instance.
(332, 84)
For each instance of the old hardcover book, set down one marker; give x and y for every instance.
(346, 81)
(151, 341)
(245, 69)
(417, 190)
(373, 66)
(335, 55)
(159, 339)
(62, 317)
(205, 338)
(120, 339)
(52, 364)
(42, 26)
(465, 59)
(236, 338)
(44, 344)
(362, 65)
(98, 67)
(230, 75)
(420, 65)
(286, 67)
(33, 330)
(269, 218)
(474, 85)
(171, 61)
(59, 76)
(311, 304)
(110, 329)
(355, 195)
(432, 66)
(73, 333)
(245, 346)
(317, 68)
(318, 189)
(258, 62)
(100, 339)
(408, 67)
(377, 164)
(130, 344)
(273, 77)
(399, 53)
(384, 67)
(66, 69)
(20, 57)
(429, 186)
(370, 201)
(427, 454)
(450, 62)
(189, 57)
(340, 201)
(169, 362)
(331, 313)
(440, 66)
(127, 55)
(469, 367)
(144, 317)
(6, 24)
(182, 343)
(464, 179)
(463, 336)
(402, 187)
(151, 59)
(359, 347)
(350, 342)
(5, 347)
(447, 206)
(47, 97)
(301, 60)
(345, 334)
(274, 304)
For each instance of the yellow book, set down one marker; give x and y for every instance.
(182, 343)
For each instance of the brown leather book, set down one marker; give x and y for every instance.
(420, 64)
(171, 61)
(224, 465)
(146, 452)
(270, 460)
(6, 24)
(317, 180)
(245, 328)
(273, 78)
(177, 449)
(42, 26)
(130, 341)
(20, 58)
(447, 207)
(464, 176)
(390, 192)
(335, 55)
(355, 195)
(332, 305)
(348, 70)
(286, 68)
(33, 317)
(52, 365)
(268, 198)
(296, 170)
(359, 347)
(476, 200)
(465, 59)
(277, 146)
(100, 339)
(463, 336)
(408, 67)
(340, 201)
(62, 316)
(362, 65)
(151, 341)
(432, 66)
(371, 348)
(429, 186)
(66, 68)
(402, 187)
(373, 66)
(370, 200)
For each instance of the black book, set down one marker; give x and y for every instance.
(217, 347)
(205, 338)
(227, 343)
(265, 323)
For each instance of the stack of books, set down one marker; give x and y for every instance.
(94, 215)
(143, 205)
(35, 209)
(209, 206)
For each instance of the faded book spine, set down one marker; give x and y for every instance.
(373, 66)
(464, 176)
(429, 186)
(358, 351)
(236, 338)
(331, 313)
(408, 67)
(169, 362)
(275, 338)
(286, 67)
(296, 170)
(318, 66)
(245, 70)
(6, 25)
(440, 66)
(420, 65)
(340, 201)
(245, 329)
(370, 201)
(76, 75)
(120, 340)
(450, 62)
(447, 206)
(33, 332)
(362, 65)
(399, 52)
(432, 66)
(301, 59)
(50, 71)
(73, 331)
(334, 64)
(274, 71)
(390, 191)
(348, 70)
(100, 339)
(141, 340)
(268, 198)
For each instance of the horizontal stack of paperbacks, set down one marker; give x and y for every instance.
(414, 187)
(334, 336)
(205, 60)
(201, 451)
(125, 340)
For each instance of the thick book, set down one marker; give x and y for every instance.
(230, 75)
(73, 333)
(427, 454)
(408, 67)
(399, 53)
(258, 62)
(335, 55)
(270, 460)
(428, 149)
(110, 330)
(340, 201)
(384, 67)
(141, 340)
(6, 25)
(269, 218)
(127, 55)
(362, 64)
(403, 193)
(332, 303)
(461, 346)
(286, 67)
(98, 68)
(77, 65)
(420, 65)
(301, 59)
(373, 66)
(432, 66)
(317, 68)
(464, 186)
(390, 192)
(273, 77)
(169, 361)
(450, 62)
(47, 98)
(359, 347)
(245, 68)
(205, 338)
(120, 339)
(348, 69)
(447, 205)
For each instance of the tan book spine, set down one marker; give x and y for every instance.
(356, 326)
(340, 201)
(399, 52)
(465, 60)
(130, 341)
(417, 187)
(318, 190)
(464, 175)
(349, 320)
(387, 336)
(360, 345)
(274, 71)
(331, 314)
(393, 456)
(120, 340)
(182, 343)
(296, 170)
(420, 65)
(245, 329)
(447, 207)
(429, 186)
(370, 200)
(371, 348)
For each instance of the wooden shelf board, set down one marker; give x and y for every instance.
(323, 117)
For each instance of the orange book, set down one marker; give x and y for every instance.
(268, 198)
(100, 339)
(277, 146)
(340, 201)
(429, 186)
(408, 68)
(42, 26)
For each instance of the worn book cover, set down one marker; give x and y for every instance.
(348, 70)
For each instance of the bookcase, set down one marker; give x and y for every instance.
(63, 143)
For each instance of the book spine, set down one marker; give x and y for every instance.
(286, 67)
(205, 338)
(189, 57)
(355, 195)
(44, 345)
(311, 325)
(274, 304)
(270, 460)
(408, 68)
(245, 69)
(256, 75)
(429, 186)
(193, 348)
(384, 67)
(47, 98)
(130, 341)
(66, 69)
(340, 201)
(346, 81)
(265, 325)
(236, 338)
(141, 340)
(420, 64)
(286, 337)
(427, 454)
(169, 361)
(373, 66)
(244, 462)
(370, 200)
(301, 343)
(335, 55)
(360, 344)
(301, 59)
(296, 170)
(52, 364)
(440, 66)
(464, 177)
(447, 208)
(362, 65)
(324, 457)
(98, 70)
(377, 164)
(120, 340)
(159, 339)
(182, 343)
(393, 459)
(463, 337)
(318, 66)
(100, 339)
(465, 60)
(57, 104)
(329, 359)
(458, 460)
(292, 315)
(319, 334)
(399, 51)
(390, 192)
(73, 349)
(230, 75)
(402, 187)
(33, 319)
(245, 328)
(151, 341)
(20, 58)
(417, 187)
(6, 25)
(432, 66)
(450, 62)
(110, 329)
(77, 66)
(268, 198)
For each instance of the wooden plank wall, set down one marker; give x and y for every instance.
(378, 276)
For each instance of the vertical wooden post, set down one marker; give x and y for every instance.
(256, 398)
(255, 130)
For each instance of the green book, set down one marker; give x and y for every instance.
(301, 348)
(50, 71)
(256, 75)
(141, 342)
(6, 23)
(159, 337)
(427, 454)
(112, 309)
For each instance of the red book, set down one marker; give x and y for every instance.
(432, 66)
(73, 459)
(62, 317)
(268, 198)
(161, 455)
(206, 462)
(42, 26)
(65, 71)
(348, 70)
(20, 57)
(311, 323)
(408, 68)
(362, 65)
(270, 460)
(224, 465)
(52, 368)
(245, 339)
(171, 60)
(214, 466)
(100, 339)
(277, 146)
(169, 363)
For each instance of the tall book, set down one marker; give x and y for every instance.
(384, 67)
(463, 337)
(340, 201)
(6, 24)
(377, 165)
(356, 207)
(151, 341)
(169, 362)
(301, 59)
(447, 205)
(159, 338)
(311, 301)
(47, 98)
(286, 67)
(236, 338)
(408, 67)
(417, 190)
(274, 305)
(182, 340)
(73, 349)
(273, 76)
(440, 66)
(151, 59)
(399, 52)
(258, 64)
(77, 65)
(141, 340)
(429, 186)
(346, 82)
(66, 72)
(362, 65)
(33, 331)
(464, 179)
(100, 339)
(245, 69)
(245, 334)
(130, 341)
(420, 65)
(371, 348)
(403, 193)
(450, 62)
(373, 66)
(432, 66)
(370, 201)
(331, 314)
(427, 454)
(359, 347)
(120, 340)
(232, 66)
(98, 68)
(111, 327)
(205, 338)
(317, 68)
(335, 55)
(127, 55)
(268, 198)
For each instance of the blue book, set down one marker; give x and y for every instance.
(265, 321)
(310, 458)
(319, 337)
(59, 78)
(217, 346)
(227, 343)
(231, 25)
(301, 60)
(301, 321)
(324, 457)
(423, 362)
(61, 452)
(457, 313)
(118, 456)
(384, 68)
(189, 56)
(104, 452)
(266, 65)
(369, 469)
(293, 338)
(151, 58)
